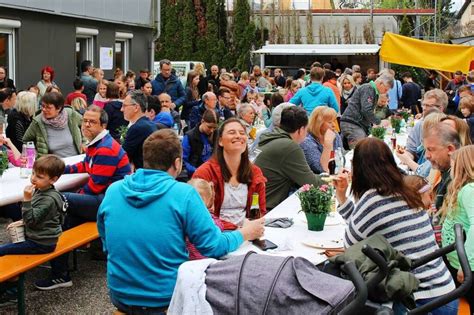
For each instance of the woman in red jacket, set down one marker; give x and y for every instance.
(234, 177)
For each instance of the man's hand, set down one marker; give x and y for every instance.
(341, 183)
(28, 192)
(252, 230)
(173, 106)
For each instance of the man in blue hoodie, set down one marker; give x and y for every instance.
(315, 94)
(143, 225)
(166, 82)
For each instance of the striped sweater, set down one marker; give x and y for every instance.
(105, 162)
(406, 230)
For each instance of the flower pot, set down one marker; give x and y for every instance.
(397, 129)
(315, 221)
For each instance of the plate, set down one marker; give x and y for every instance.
(324, 244)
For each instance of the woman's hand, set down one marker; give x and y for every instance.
(329, 137)
(460, 276)
(341, 183)
(252, 230)
(404, 157)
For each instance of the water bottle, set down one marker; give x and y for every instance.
(339, 160)
(176, 129)
(30, 154)
(24, 172)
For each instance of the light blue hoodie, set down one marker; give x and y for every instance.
(143, 221)
(315, 95)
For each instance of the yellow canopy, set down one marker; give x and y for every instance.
(423, 54)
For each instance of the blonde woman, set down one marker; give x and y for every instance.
(295, 85)
(322, 138)
(79, 105)
(19, 118)
(458, 207)
(348, 88)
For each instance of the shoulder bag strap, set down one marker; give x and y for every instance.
(237, 301)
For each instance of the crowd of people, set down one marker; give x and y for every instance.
(238, 137)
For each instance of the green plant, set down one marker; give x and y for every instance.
(404, 113)
(378, 132)
(122, 130)
(396, 122)
(315, 200)
(3, 161)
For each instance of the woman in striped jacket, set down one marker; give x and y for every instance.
(385, 205)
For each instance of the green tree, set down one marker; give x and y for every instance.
(189, 29)
(405, 26)
(243, 34)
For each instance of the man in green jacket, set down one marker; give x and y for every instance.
(282, 160)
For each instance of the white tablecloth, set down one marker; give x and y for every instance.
(290, 240)
(12, 185)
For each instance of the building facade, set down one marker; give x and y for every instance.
(62, 33)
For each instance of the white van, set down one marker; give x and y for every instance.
(181, 67)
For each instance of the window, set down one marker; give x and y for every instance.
(7, 45)
(122, 50)
(85, 45)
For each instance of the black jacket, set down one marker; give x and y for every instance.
(196, 146)
(17, 125)
(116, 119)
(7, 83)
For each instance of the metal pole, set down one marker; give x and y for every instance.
(417, 21)
(372, 13)
(435, 21)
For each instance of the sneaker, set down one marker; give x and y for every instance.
(8, 298)
(54, 283)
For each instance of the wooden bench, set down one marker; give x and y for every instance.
(16, 265)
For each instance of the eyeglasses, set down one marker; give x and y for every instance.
(90, 122)
(47, 106)
(126, 105)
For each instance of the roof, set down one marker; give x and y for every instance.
(322, 49)
(463, 8)
(467, 40)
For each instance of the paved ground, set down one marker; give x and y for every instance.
(88, 295)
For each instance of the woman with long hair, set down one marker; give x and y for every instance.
(100, 98)
(458, 207)
(294, 86)
(121, 82)
(47, 80)
(384, 204)
(112, 108)
(235, 178)
(20, 117)
(322, 138)
(348, 88)
(192, 95)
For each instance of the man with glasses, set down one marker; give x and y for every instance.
(225, 98)
(433, 101)
(134, 107)
(105, 162)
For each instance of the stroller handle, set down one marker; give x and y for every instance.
(381, 262)
(358, 303)
(466, 268)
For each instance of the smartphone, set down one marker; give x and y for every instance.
(264, 244)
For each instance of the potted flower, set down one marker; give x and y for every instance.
(404, 113)
(396, 122)
(316, 204)
(378, 132)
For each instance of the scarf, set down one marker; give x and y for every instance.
(58, 122)
(347, 94)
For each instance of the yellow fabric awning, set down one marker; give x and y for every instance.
(423, 54)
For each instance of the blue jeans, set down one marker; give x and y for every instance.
(449, 309)
(25, 248)
(137, 310)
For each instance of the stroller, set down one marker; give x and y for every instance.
(385, 267)
(263, 284)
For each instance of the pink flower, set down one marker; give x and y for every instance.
(324, 188)
(306, 187)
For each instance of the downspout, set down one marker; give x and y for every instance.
(156, 18)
